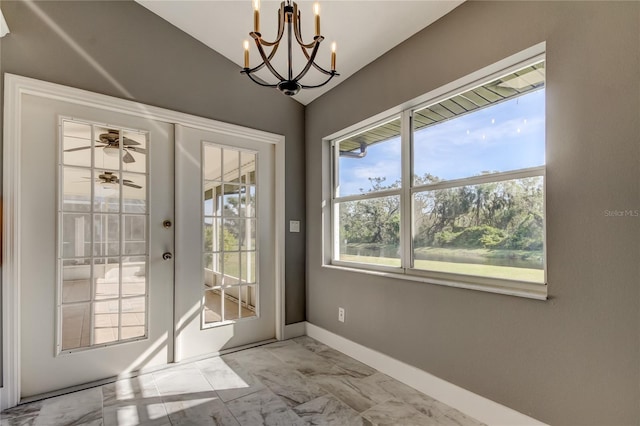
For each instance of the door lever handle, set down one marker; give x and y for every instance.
(166, 255)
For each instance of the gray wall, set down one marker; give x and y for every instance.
(149, 60)
(573, 359)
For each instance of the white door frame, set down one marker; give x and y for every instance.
(15, 87)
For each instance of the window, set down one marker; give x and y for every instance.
(368, 195)
(451, 190)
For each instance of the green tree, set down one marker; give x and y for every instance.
(374, 220)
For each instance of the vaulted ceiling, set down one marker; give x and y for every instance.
(362, 29)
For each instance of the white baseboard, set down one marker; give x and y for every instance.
(472, 404)
(295, 330)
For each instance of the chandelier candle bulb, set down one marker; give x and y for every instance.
(333, 56)
(246, 53)
(256, 16)
(316, 11)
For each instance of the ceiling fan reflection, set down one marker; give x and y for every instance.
(111, 146)
(108, 180)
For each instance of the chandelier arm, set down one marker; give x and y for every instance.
(310, 62)
(271, 55)
(255, 80)
(316, 66)
(265, 61)
(281, 21)
(331, 75)
(323, 71)
(296, 28)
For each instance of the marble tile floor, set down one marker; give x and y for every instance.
(294, 382)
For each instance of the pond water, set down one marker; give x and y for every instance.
(498, 258)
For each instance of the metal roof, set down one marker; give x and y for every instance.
(509, 86)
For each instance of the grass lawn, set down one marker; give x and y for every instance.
(231, 264)
(505, 272)
(529, 258)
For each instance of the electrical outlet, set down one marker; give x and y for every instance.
(341, 314)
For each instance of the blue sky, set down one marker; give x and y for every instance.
(507, 136)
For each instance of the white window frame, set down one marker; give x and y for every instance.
(407, 271)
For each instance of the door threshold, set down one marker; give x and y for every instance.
(226, 351)
(137, 373)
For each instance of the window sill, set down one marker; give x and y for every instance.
(509, 288)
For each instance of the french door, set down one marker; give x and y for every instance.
(96, 187)
(225, 242)
(124, 265)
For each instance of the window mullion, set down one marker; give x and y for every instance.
(368, 195)
(406, 238)
(485, 178)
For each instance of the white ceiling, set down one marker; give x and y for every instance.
(362, 29)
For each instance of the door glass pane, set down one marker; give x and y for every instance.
(248, 167)
(134, 155)
(76, 189)
(231, 200)
(106, 278)
(106, 235)
(76, 326)
(248, 201)
(134, 276)
(133, 317)
(77, 144)
(106, 319)
(212, 306)
(251, 238)
(231, 268)
(212, 167)
(76, 235)
(231, 303)
(106, 191)
(231, 165)
(135, 231)
(229, 236)
(212, 275)
(107, 148)
(248, 301)
(76, 279)
(212, 270)
(209, 199)
(248, 269)
(134, 198)
(247, 233)
(208, 236)
(97, 239)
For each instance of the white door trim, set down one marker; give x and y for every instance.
(15, 87)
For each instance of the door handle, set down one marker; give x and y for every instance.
(167, 255)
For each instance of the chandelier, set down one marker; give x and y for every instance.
(289, 16)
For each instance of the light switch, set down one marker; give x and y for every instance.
(294, 226)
